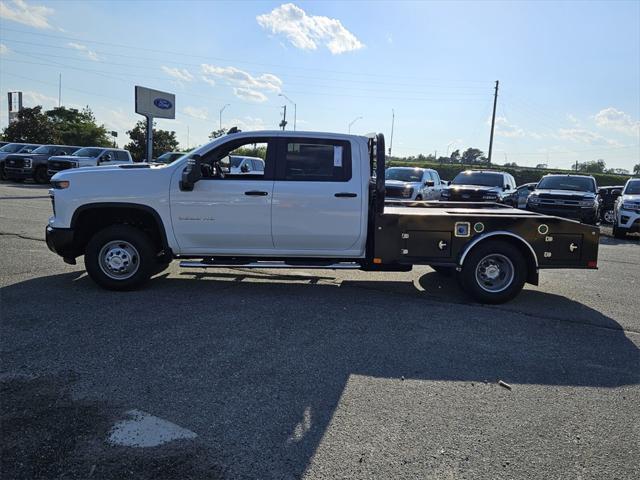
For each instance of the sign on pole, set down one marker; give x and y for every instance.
(154, 104)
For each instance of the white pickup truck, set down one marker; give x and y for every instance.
(319, 203)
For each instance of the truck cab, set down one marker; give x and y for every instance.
(319, 203)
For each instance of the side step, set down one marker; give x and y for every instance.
(273, 264)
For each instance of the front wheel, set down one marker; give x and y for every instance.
(494, 272)
(3, 173)
(419, 198)
(40, 176)
(619, 232)
(120, 257)
(609, 216)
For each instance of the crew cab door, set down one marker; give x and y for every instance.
(318, 204)
(226, 213)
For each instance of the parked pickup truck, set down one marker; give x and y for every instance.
(627, 210)
(88, 157)
(22, 166)
(317, 205)
(568, 196)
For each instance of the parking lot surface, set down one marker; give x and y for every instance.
(300, 374)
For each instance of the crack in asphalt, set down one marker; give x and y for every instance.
(19, 235)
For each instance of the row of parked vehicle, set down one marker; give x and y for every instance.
(569, 196)
(21, 161)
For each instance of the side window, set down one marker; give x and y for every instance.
(436, 178)
(316, 160)
(121, 156)
(235, 160)
(258, 165)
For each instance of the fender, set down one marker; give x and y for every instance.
(480, 238)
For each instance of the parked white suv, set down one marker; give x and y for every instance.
(239, 165)
(88, 157)
(627, 209)
(409, 183)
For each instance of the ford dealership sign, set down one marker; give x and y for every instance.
(154, 103)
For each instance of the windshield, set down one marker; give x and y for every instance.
(46, 149)
(632, 188)
(11, 148)
(482, 179)
(88, 152)
(404, 174)
(574, 184)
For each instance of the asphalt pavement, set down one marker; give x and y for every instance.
(315, 375)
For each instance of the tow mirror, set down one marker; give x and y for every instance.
(244, 168)
(507, 187)
(191, 173)
(429, 183)
(106, 157)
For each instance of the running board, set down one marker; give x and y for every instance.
(266, 264)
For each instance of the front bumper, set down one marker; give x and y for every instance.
(61, 242)
(18, 173)
(629, 220)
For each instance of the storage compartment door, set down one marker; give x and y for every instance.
(427, 244)
(564, 247)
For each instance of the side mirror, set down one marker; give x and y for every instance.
(244, 168)
(429, 183)
(507, 187)
(191, 173)
(616, 191)
(106, 157)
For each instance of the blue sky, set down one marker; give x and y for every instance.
(569, 71)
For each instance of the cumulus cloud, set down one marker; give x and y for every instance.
(581, 135)
(4, 50)
(617, 120)
(248, 123)
(195, 112)
(20, 11)
(245, 85)
(34, 98)
(180, 74)
(306, 31)
(506, 129)
(84, 50)
(208, 80)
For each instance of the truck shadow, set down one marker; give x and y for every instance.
(256, 364)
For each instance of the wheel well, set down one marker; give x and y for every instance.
(92, 219)
(521, 245)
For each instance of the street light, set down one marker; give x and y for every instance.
(354, 121)
(222, 110)
(295, 113)
(448, 147)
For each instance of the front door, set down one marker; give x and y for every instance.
(318, 201)
(226, 213)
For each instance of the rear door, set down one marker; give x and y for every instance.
(318, 202)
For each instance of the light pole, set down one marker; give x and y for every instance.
(222, 110)
(354, 121)
(295, 109)
(448, 147)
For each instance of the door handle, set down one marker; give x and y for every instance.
(256, 193)
(346, 195)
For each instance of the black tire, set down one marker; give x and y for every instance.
(143, 257)
(620, 233)
(40, 176)
(444, 271)
(483, 253)
(418, 198)
(17, 180)
(3, 173)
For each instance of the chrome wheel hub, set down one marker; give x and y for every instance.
(119, 260)
(494, 273)
(609, 216)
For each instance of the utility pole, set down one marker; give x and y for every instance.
(354, 121)
(393, 120)
(493, 121)
(222, 110)
(283, 123)
(187, 137)
(295, 109)
(59, 89)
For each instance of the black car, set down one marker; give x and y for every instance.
(608, 196)
(478, 186)
(20, 166)
(518, 197)
(568, 196)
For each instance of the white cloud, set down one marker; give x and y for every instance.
(208, 80)
(248, 124)
(246, 86)
(84, 50)
(4, 50)
(32, 98)
(180, 74)
(195, 112)
(581, 135)
(249, 94)
(573, 119)
(306, 31)
(506, 129)
(613, 119)
(20, 11)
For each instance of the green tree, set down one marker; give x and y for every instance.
(76, 127)
(163, 141)
(473, 155)
(636, 169)
(31, 126)
(592, 166)
(217, 133)
(455, 156)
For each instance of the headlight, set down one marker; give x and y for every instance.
(26, 163)
(407, 193)
(60, 184)
(628, 206)
(444, 193)
(587, 203)
(533, 200)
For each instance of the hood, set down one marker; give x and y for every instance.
(631, 198)
(563, 193)
(69, 157)
(28, 155)
(473, 188)
(400, 183)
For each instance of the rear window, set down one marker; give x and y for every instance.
(11, 148)
(575, 184)
(121, 156)
(322, 161)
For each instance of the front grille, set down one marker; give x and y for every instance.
(58, 165)
(15, 162)
(558, 197)
(398, 192)
(466, 196)
(559, 202)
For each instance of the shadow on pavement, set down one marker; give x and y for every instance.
(258, 368)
